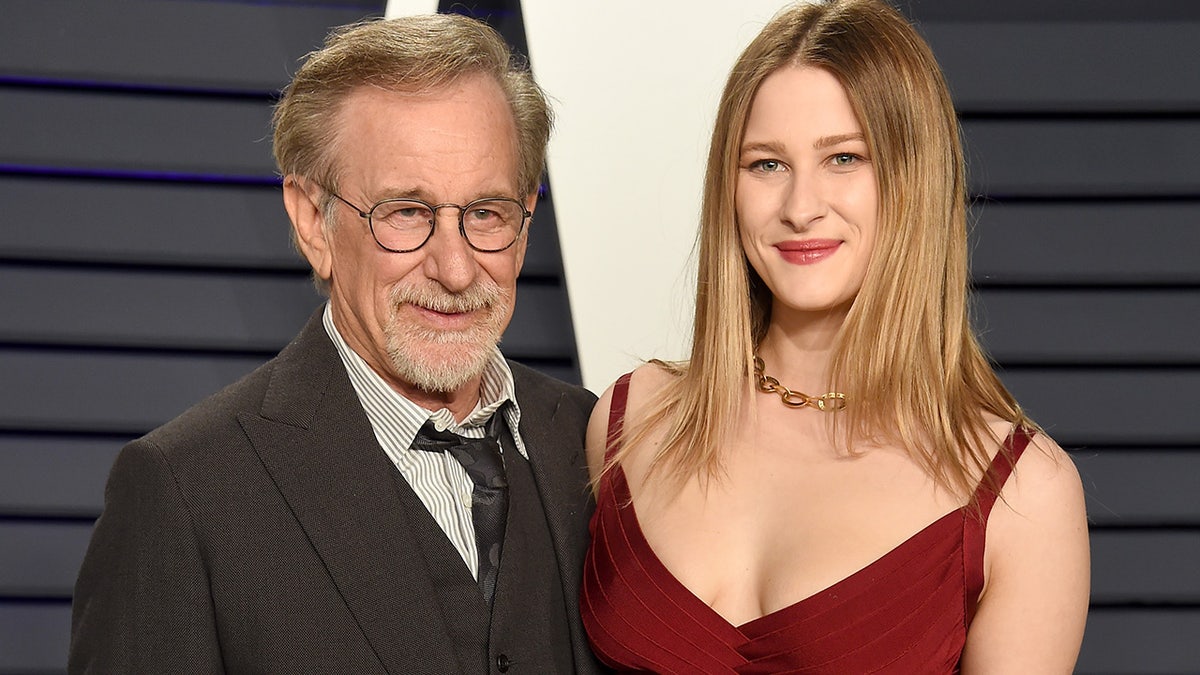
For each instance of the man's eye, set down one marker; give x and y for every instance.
(483, 215)
(402, 213)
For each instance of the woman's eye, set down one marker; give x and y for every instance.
(767, 165)
(844, 159)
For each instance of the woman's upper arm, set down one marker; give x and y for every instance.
(643, 382)
(597, 434)
(1033, 609)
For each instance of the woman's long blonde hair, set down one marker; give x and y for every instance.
(911, 367)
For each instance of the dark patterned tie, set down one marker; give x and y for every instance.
(489, 499)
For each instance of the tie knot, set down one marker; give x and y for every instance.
(480, 457)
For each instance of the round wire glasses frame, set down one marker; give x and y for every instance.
(403, 225)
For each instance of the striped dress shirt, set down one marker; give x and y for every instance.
(438, 479)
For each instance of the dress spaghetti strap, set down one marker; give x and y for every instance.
(1000, 469)
(616, 416)
(975, 523)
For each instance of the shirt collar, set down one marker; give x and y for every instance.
(396, 420)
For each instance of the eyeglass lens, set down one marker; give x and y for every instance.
(489, 224)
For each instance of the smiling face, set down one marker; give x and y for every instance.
(426, 320)
(807, 197)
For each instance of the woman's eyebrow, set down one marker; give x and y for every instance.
(770, 147)
(827, 141)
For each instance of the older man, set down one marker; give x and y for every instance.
(388, 494)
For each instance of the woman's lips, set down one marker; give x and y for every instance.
(807, 251)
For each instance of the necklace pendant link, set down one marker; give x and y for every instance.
(795, 399)
(831, 402)
(768, 384)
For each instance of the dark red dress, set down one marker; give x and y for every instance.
(907, 612)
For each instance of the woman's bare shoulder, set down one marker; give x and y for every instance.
(644, 382)
(1046, 481)
(648, 380)
(1043, 466)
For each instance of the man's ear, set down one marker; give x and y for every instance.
(302, 200)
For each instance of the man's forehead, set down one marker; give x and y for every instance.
(453, 144)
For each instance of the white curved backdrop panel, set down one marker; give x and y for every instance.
(636, 86)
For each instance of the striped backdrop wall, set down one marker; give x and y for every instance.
(144, 262)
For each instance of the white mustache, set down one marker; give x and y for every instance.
(476, 297)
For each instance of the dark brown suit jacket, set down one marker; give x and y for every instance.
(262, 531)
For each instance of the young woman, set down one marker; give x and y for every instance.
(900, 515)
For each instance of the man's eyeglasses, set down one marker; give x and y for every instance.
(489, 225)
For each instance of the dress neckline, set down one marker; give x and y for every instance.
(779, 616)
(837, 593)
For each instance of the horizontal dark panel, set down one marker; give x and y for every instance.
(193, 310)
(41, 559)
(1132, 406)
(1141, 641)
(1086, 243)
(137, 222)
(1146, 567)
(181, 310)
(209, 45)
(1076, 65)
(1127, 487)
(1059, 10)
(50, 475)
(136, 133)
(1137, 326)
(124, 393)
(1027, 157)
(128, 393)
(175, 224)
(34, 638)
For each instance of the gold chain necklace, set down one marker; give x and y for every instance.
(831, 402)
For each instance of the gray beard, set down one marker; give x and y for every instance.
(444, 361)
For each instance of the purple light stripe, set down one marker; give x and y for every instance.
(159, 176)
(136, 88)
(307, 4)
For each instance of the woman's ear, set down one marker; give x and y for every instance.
(301, 198)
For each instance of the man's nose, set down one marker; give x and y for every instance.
(449, 259)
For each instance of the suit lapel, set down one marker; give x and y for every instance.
(556, 466)
(316, 442)
(553, 435)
